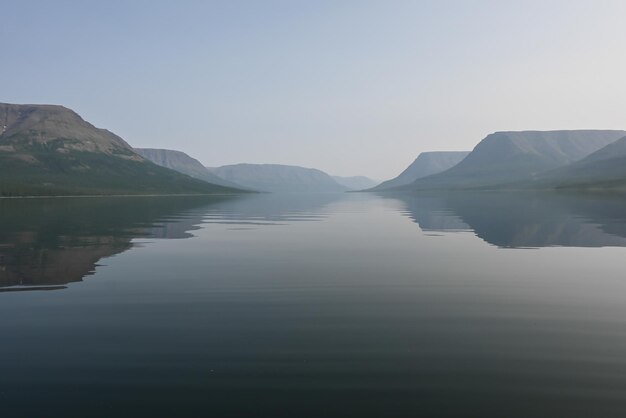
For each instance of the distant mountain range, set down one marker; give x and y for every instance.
(278, 178)
(535, 159)
(356, 182)
(426, 164)
(51, 150)
(260, 177)
(183, 163)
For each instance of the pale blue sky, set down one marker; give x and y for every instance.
(350, 87)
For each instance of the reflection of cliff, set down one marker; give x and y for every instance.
(56, 241)
(524, 219)
(431, 214)
(46, 242)
(25, 265)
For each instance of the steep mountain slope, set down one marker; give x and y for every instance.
(279, 178)
(616, 149)
(504, 158)
(356, 182)
(51, 150)
(52, 126)
(426, 164)
(605, 168)
(183, 163)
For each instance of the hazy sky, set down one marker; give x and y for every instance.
(350, 87)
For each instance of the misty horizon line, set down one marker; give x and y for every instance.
(290, 163)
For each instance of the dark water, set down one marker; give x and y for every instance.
(483, 305)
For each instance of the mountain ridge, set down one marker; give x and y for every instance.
(185, 164)
(605, 169)
(426, 163)
(277, 178)
(510, 157)
(50, 150)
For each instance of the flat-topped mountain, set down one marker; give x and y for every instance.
(356, 182)
(278, 178)
(426, 164)
(183, 163)
(504, 158)
(51, 150)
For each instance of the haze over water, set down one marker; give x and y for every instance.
(314, 305)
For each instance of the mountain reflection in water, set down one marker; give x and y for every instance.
(46, 243)
(523, 220)
(314, 305)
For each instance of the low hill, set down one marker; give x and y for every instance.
(505, 158)
(51, 150)
(183, 163)
(356, 182)
(278, 178)
(426, 164)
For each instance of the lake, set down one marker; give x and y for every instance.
(327, 305)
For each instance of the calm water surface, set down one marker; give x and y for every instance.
(482, 305)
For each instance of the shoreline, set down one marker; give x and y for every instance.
(121, 195)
